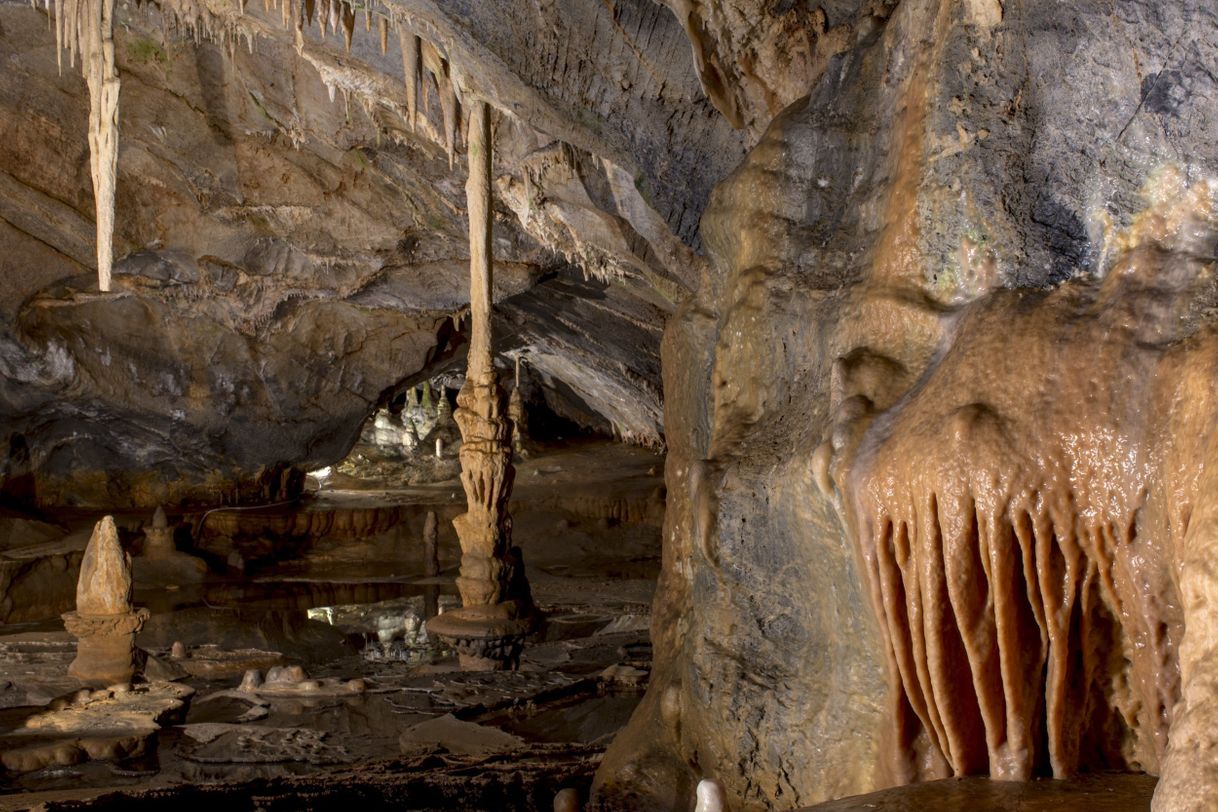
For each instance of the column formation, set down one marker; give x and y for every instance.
(497, 609)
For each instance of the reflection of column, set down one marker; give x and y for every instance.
(431, 545)
(497, 609)
(431, 601)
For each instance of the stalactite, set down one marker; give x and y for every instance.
(412, 69)
(348, 15)
(437, 65)
(87, 27)
(333, 19)
(451, 112)
(382, 30)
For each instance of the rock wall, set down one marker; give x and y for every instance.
(958, 156)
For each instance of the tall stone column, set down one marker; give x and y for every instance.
(497, 608)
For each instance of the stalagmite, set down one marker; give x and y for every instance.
(104, 623)
(516, 414)
(158, 538)
(497, 608)
(444, 409)
(87, 27)
(567, 800)
(710, 797)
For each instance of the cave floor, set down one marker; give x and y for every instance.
(312, 583)
(335, 584)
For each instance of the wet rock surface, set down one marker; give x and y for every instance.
(344, 696)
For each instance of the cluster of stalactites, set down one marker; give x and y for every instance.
(85, 30)
(425, 64)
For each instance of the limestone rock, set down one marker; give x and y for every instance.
(110, 724)
(917, 181)
(457, 736)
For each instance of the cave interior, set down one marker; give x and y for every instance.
(609, 405)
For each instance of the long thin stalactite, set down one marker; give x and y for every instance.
(85, 29)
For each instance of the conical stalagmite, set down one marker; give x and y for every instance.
(104, 623)
(104, 586)
(158, 538)
(516, 414)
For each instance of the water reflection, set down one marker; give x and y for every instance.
(395, 629)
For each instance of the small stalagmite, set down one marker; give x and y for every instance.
(158, 538)
(104, 622)
(517, 415)
(444, 409)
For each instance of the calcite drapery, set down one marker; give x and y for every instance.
(1032, 520)
(497, 608)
